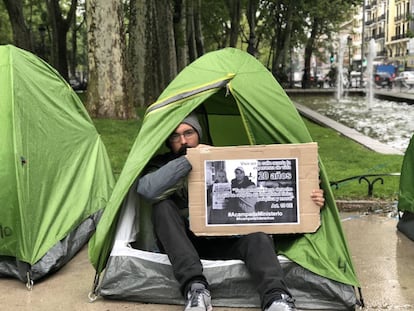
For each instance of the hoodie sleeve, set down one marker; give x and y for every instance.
(164, 181)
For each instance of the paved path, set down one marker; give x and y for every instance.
(396, 94)
(383, 260)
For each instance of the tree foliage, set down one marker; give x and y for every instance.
(5, 26)
(159, 38)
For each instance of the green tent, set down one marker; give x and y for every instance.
(55, 174)
(238, 103)
(406, 195)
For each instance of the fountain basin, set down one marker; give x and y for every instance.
(388, 122)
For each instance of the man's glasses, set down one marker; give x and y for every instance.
(175, 137)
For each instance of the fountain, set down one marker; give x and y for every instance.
(385, 121)
(340, 81)
(340, 73)
(370, 73)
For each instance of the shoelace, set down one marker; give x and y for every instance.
(196, 297)
(290, 300)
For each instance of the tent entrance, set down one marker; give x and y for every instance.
(221, 117)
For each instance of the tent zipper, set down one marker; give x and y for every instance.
(187, 94)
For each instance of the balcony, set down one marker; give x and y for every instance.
(403, 17)
(399, 18)
(399, 37)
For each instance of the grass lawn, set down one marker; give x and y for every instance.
(341, 157)
(118, 137)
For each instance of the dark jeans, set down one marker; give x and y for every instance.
(184, 250)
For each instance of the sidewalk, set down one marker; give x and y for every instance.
(383, 259)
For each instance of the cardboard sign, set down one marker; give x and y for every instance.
(245, 189)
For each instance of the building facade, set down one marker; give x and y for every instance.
(390, 23)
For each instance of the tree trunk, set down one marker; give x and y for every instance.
(234, 8)
(192, 49)
(137, 53)
(21, 33)
(308, 55)
(72, 53)
(283, 45)
(180, 30)
(251, 19)
(73, 61)
(198, 29)
(152, 57)
(167, 57)
(60, 27)
(151, 74)
(106, 88)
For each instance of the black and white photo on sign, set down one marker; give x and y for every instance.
(251, 191)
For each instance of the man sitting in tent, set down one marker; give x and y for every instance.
(164, 183)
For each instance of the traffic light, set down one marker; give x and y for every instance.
(364, 62)
(332, 58)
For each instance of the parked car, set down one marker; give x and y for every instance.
(405, 78)
(383, 79)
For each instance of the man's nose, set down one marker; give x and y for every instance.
(183, 140)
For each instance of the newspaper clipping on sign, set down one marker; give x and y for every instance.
(249, 191)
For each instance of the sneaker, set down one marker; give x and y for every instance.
(285, 303)
(198, 298)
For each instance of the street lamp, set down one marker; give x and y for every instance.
(349, 42)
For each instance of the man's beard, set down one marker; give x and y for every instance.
(183, 150)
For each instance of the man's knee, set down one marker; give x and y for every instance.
(258, 239)
(163, 207)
